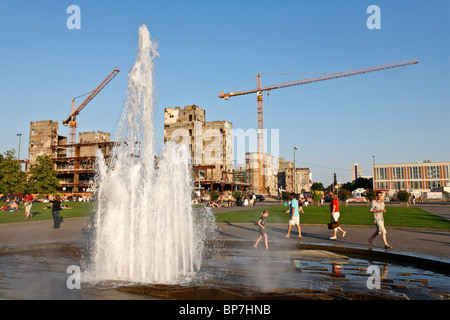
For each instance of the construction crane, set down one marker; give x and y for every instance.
(259, 90)
(71, 120)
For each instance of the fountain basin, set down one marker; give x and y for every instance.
(234, 270)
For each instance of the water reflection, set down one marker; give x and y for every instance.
(237, 273)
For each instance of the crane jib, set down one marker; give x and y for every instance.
(92, 95)
(322, 78)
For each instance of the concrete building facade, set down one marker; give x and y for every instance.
(356, 171)
(76, 173)
(210, 144)
(269, 174)
(286, 181)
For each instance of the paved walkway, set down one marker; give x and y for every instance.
(425, 242)
(428, 242)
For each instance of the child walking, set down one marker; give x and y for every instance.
(262, 229)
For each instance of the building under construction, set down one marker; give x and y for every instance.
(210, 144)
(75, 173)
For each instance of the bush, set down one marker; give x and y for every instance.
(214, 195)
(344, 194)
(238, 196)
(316, 196)
(370, 195)
(403, 195)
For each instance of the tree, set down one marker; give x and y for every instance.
(344, 194)
(317, 196)
(214, 195)
(403, 195)
(43, 178)
(350, 186)
(370, 195)
(317, 186)
(238, 196)
(12, 179)
(363, 183)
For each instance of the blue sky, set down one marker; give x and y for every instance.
(207, 47)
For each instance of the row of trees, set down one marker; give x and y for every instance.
(42, 179)
(345, 191)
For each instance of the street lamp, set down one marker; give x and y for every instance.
(374, 173)
(18, 153)
(295, 148)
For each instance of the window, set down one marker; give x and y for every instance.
(416, 184)
(398, 173)
(433, 172)
(399, 185)
(415, 172)
(382, 185)
(434, 184)
(381, 174)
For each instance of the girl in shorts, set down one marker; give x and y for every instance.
(262, 229)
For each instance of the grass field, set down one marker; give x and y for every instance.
(79, 209)
(352, 215)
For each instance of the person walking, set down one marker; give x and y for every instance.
(55, 211)
(262, 230)
(28, 202)
(378, 209)
(294, 217)
(334, 209)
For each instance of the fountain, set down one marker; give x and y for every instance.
(146, 241)
(144, 224)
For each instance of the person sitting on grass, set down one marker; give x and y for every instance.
(213, 205)
(11, 207)
(14, 206)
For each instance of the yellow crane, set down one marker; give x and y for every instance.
(259, 100)
(71, 120)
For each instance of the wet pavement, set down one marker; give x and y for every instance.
(34, 259)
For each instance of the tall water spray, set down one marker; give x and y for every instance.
(145, 229)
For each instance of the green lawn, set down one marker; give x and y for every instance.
(352, 215)
(79, 209)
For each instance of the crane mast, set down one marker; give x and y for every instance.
(259, 90)
(71, 120)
